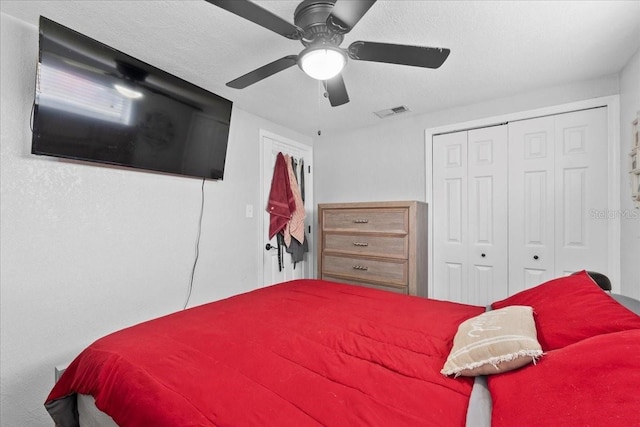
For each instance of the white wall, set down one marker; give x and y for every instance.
(86, 249)
(629, 217)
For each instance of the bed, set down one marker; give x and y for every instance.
(313, 352)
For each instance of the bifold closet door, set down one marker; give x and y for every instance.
(531, 202)
(557, 183)
(470, 215)
(450, 217)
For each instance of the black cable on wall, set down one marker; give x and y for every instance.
(195, 261)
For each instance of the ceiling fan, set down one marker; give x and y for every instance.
(321, 25)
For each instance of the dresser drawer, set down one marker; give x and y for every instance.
(390, 220)
(367, 244)
(365, 269)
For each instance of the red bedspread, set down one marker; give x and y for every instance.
(591, 383)
(305, 352)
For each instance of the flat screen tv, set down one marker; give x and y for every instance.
(97, 104)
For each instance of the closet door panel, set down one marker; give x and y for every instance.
(470, 215)
(450, 216)
(487, 172)
(581, 191)
(573, 208)
(453, 218)
(531, 277)
(453, 276)
(535, 208)
(531, 202)
(485, 287)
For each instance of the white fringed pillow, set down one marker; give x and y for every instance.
(494, 342)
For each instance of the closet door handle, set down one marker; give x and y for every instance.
(360, 244)
(483, 255)
(536, 257)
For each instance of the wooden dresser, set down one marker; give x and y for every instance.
(377, 244)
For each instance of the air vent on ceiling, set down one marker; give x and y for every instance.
(391, 111)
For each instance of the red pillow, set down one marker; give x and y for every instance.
(594, 382)
(570, 309)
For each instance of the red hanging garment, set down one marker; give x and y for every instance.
(281, 204)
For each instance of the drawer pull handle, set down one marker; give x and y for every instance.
(361, 221)
(360, 244)
(360, 267)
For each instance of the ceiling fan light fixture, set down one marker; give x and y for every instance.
(322, 62)
(128, 92)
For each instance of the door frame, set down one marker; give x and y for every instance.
(287, 142)
(613, 130)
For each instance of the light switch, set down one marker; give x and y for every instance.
(248, 212)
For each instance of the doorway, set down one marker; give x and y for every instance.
(275, 270)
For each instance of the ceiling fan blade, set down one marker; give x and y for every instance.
(417, 56)
(346, 14)
(256, 14)
(264, 72)
(336, 91)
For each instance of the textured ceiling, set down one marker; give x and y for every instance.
(498, 49)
